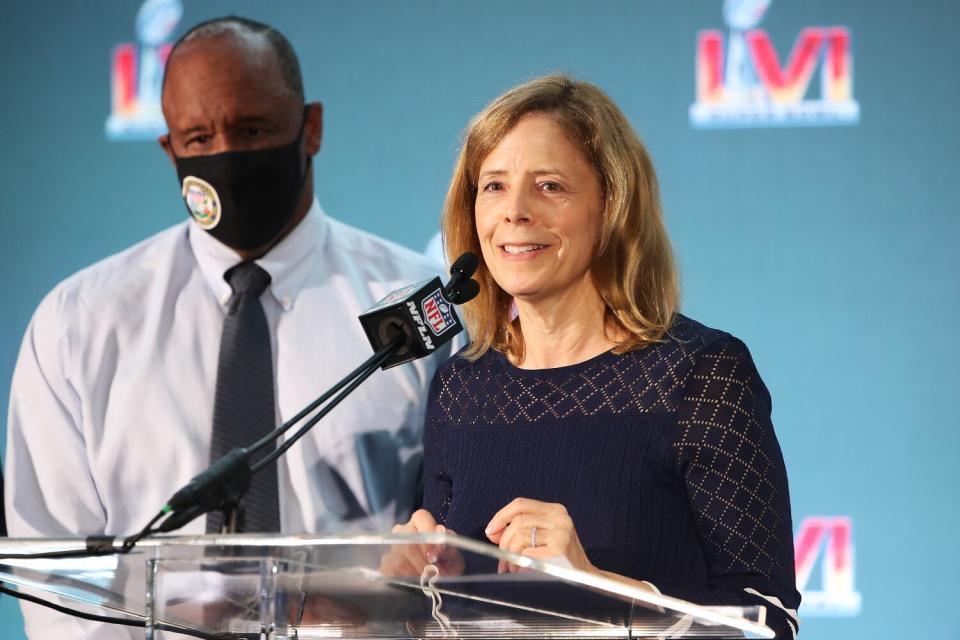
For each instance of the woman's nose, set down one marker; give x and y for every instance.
(517, 208)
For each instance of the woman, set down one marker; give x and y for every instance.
(587, 418)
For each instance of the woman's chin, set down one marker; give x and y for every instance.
(521, 285)
(527, 295)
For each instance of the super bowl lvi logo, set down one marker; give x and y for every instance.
(827, 541)
(740, 81)
(136, 73)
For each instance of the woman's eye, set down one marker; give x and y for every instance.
(550, 186)
(493, 186)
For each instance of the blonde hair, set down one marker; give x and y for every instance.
(633, 267)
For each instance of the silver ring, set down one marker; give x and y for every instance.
(533, 536)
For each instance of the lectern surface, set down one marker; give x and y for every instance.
(393, 587)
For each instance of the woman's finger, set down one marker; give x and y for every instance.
(422, 521)
(519, 539)
(524, 522)
(450, 561)
(516, 507)
(394, 564)
(518, 542)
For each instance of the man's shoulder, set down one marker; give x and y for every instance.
(123, 274)
(378, 257)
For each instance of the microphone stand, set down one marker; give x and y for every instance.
(225, 482)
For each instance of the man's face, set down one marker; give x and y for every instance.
(227, 93)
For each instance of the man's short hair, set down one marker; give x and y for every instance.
(289, 64)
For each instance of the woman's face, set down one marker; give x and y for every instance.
(538, 212)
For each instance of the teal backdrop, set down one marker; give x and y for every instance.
(832, 251)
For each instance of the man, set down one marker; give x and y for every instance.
(137, 371)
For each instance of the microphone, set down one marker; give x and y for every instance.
(226, 479)
(422, 313)
(461, 269)
(463, 292)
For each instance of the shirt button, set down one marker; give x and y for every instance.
(225, 298)
(287, 302)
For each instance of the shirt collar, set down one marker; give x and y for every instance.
(288, 263)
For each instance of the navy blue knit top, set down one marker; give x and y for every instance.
(665, 458)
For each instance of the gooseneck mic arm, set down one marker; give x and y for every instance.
(407, 324)
(365, 371)
(228, 479)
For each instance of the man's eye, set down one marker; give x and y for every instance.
(252, 131)
(198, 139)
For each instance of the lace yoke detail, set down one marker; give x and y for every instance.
(491, 391)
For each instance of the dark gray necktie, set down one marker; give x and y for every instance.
(244, 407)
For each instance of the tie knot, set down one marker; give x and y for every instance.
(247, 278)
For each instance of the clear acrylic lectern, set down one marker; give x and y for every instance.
(395, 586)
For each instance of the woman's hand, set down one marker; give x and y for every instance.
(410, 559)
(512, 528)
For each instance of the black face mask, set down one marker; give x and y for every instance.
(244, 199)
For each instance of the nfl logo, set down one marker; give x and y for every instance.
(437, 312)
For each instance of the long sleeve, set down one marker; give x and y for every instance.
(50, 491)
(736, 484)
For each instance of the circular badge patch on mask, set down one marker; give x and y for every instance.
(202, 201)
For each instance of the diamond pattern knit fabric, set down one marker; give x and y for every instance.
(665, 458)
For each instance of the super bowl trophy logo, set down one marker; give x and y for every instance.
(136, 73)
(746, 85)
(740, 79)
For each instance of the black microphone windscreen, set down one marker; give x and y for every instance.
(465, 265)
(464, 292)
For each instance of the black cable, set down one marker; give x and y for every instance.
(362, 373)
(96, 547)
(94, 617)
(75, 553)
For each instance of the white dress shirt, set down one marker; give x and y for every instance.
(111, 408)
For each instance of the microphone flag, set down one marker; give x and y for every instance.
(421, 312)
